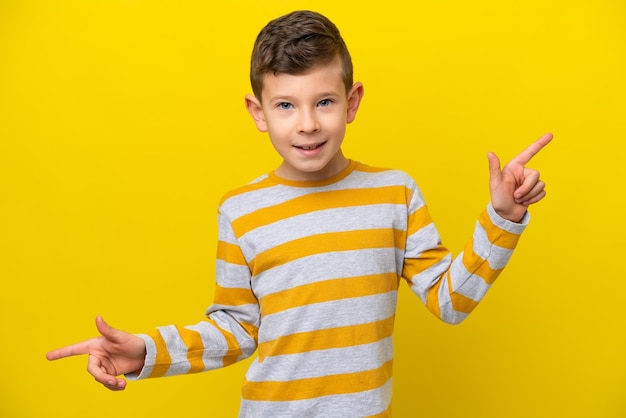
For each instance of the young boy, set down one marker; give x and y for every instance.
(310, 256)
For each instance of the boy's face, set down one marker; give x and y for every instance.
(305, 116)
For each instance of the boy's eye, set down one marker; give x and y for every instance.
(284, 105)
(324, 103)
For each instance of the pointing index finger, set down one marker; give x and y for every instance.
(525, 156)
(68, 351)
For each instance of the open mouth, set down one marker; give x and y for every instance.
(310, 147)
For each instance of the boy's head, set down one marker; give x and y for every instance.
(295, 43)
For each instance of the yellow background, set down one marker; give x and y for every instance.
(122, 123)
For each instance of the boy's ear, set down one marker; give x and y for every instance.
(354, 100)
(256, 111)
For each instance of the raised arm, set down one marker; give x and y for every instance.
(112, 354)
(452, 287)
(514, 187)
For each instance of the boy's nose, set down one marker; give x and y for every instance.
(308, 123)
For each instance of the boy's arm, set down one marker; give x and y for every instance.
(229, 332)
(451, 289)
(227, 335)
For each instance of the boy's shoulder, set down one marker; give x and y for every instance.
(256, 185)
(391, 174)
(269, 187)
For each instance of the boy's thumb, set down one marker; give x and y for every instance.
(105, 329)
(494, 166)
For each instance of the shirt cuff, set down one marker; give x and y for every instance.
(505, 224)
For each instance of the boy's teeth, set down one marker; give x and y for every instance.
(309, 147)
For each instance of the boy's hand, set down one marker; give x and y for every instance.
(112, 354)
(515, 187)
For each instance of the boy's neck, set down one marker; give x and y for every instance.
(335, 166)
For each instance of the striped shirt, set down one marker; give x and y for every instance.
(308, 274)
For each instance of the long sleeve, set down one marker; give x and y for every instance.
(451, 289)
(228, 334)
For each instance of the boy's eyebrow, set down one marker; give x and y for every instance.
(280, 97)
(286, 97)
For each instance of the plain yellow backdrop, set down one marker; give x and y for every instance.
(122, 123)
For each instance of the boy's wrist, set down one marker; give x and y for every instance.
(502, 222)
(511, 218)
(149, 354)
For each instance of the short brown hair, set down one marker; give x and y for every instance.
(295, 43)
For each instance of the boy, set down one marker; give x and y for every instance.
(310, 255)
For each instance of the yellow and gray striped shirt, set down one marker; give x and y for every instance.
(308, 273)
